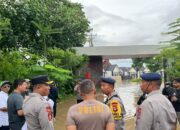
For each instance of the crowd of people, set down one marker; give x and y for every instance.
(25, 108)
(35, 109)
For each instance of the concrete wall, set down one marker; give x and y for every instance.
(108, 74)
(95, 67)
(116, 71)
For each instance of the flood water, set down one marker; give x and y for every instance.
(129, 93)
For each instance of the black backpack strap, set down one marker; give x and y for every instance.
(123, 109)
(111, 98)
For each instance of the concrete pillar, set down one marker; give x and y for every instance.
(95, 68)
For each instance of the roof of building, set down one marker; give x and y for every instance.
(125, 68)
(121, 52)
(111, 68)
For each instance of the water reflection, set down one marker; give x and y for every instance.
(129, 93)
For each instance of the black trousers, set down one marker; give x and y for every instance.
(4, 128)
(79, 100)
(54, 109)
(16, 126)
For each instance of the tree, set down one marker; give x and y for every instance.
(4, 25)
(137, 63)
(15, 65)
(174, 28)
(45, 32)
(153, 63)
(66, 59)
(172, 65)
(68, 18)
(22, 64)
(172, 53)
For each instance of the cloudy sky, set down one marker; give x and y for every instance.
(127, 22)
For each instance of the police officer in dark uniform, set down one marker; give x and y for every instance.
(114, 102)
(54, 96)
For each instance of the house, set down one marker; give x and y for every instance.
(143, 70)
(112, 70)
(125, 72)
(133, 73)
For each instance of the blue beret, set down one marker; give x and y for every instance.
(108, 80)
(151, 76)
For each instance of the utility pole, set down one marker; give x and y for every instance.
(91, 37)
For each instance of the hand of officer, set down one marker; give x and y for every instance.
(173, 98)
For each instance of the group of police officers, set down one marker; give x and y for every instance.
(155, 112)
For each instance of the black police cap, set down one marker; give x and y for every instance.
(151, 76)
(41, 79)
(108, 80)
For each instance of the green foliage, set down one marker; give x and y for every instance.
(4, 25)
(136, 80)
(172, 66)
(31, 31)
(172, 53)
(174, 28)
(66, 59)
(153, 63)
(22, 64)
(40, 24)
(14, 65)
(7, 69)
(137, 63)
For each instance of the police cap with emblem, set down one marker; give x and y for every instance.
(150, 76)
(41, 79)
(108, 80)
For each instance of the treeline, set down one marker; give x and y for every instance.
(36, 37)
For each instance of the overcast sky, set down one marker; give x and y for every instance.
(127, 22)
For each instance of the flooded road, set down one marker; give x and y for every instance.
(129, 93)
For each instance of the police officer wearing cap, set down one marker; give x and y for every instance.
(114, 102)
(37, 111)
(156, 112)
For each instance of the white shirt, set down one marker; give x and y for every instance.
(50, 101)
(3, 115)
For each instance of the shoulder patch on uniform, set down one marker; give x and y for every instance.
(139, 110)
(116, 109)
(49, 112)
